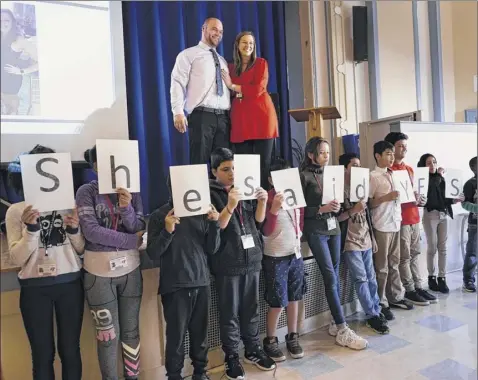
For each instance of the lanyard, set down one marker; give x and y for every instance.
(47, 237)
(241, 218)
(114, 216)
(294, 223)
(318, 183)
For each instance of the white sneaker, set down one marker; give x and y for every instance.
(333, 328)
(348, 338)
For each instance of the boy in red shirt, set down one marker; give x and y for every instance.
(409, 232)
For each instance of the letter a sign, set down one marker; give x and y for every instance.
(118, 165)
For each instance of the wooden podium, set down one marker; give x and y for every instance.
(315, 117)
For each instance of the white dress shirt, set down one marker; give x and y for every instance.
(387, 216)
(193, 81)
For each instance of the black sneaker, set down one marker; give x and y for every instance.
(234, 370)
(202, 376)
(416, 298)
(469, 287)
(271, 348)
(378, 325)
(427, 296)
(387, 313)
(293, 346)
(433, 284)
(260, 359)
(402, 304)
(442, 286)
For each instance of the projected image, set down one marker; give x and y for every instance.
(20, 85)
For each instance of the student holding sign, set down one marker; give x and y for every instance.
(435, 212)
(113, 226)
(283, 270)
(410, 230)
(237, 266)
(47, 246)
(322, 231)
(358, 241)
(470, 204)
(386, 218)
(181, 246)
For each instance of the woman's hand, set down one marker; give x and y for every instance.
(13, 70)
(213, 215)
(170, 221)
(226, 78)
(261, 195)
(333, 206)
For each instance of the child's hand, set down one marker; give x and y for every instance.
(212, 214)
(124, 197)
(359, 207)
(277, 203)
(374, 246)
(30, 216)
(261, 195)
(72, 220)
(140, 234)
(171, 221)
(233, 198)
(392, 196)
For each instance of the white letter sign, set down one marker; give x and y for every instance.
(359, 184)
(287, 182)
(118, 165)
(247, 174)
(453, 183)
(402, 184)
(333, 184)
(48, 181)
(190, 188)
(420, 181)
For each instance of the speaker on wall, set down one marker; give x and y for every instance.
(359, 14)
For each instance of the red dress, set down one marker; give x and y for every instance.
(253, 117)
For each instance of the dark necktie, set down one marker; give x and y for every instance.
(220, 89)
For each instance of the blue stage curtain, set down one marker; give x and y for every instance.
(155, 32)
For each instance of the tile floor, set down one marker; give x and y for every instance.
(432, 342)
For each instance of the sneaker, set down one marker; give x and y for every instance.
(347, 338)
(293, 346)
(378, 325)
(402, 304)
(442, 286)
(427, 296)
(433, 284)
(202, 376)
(387, 313)
(469, 287)
(260, 359)
(234, 370)
(333, 328)
(416, 298)
(271, 348)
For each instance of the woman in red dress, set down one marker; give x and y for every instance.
(254, 123)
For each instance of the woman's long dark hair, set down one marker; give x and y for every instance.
(423, 160)
(13, 33)
(236, 55)
(311, 147)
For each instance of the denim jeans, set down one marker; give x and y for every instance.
(469, 264)
(326, 250)
(362, 273)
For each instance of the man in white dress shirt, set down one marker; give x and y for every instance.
(198, 91)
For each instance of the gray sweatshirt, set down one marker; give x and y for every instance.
(27, 248)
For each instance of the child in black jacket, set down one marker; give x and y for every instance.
(237, 266)
(181, 247)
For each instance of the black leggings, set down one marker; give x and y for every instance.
(37, 305)
(264, 149)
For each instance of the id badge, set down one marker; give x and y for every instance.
(46, 269)
(120, 262)
(331, 224)
(297, 251)
(247, 241)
